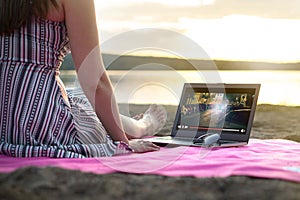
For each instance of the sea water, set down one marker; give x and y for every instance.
(278, 87)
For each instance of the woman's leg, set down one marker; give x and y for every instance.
(146, 124)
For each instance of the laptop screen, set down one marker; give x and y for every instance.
(222, 109)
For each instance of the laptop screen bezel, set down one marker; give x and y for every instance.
(220, 87)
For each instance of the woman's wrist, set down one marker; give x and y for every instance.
(119, 136)
(122, 147)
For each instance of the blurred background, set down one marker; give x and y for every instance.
(253, 41)
(151, 47)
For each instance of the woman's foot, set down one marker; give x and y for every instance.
(146, 124)
(153, 119)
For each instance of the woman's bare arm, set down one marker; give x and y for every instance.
(83, 33)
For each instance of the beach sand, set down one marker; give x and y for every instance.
(270, 121)
(54, 183)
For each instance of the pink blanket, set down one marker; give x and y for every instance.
(276, 159)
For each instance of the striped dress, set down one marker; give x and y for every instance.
(38, 118)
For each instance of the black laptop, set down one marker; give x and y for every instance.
(213, 115)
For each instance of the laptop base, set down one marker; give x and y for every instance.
(168, 140)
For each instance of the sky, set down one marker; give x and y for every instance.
(260, 30)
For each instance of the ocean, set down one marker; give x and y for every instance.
(278, 87)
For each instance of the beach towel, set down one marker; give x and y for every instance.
(273, 159)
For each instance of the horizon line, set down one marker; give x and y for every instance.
(206, 59)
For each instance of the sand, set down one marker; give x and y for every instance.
(55, 183)
(270, 121)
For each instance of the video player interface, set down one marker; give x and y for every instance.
(215, 110)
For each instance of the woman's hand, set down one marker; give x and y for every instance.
(140, 146)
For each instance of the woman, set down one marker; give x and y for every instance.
(37, 116)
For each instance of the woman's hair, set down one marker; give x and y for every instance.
(16, 13)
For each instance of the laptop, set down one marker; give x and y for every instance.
(213, 115)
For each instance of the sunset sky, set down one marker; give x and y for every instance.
(263, 30)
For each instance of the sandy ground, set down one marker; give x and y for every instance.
(270, 121)
(55, 183)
